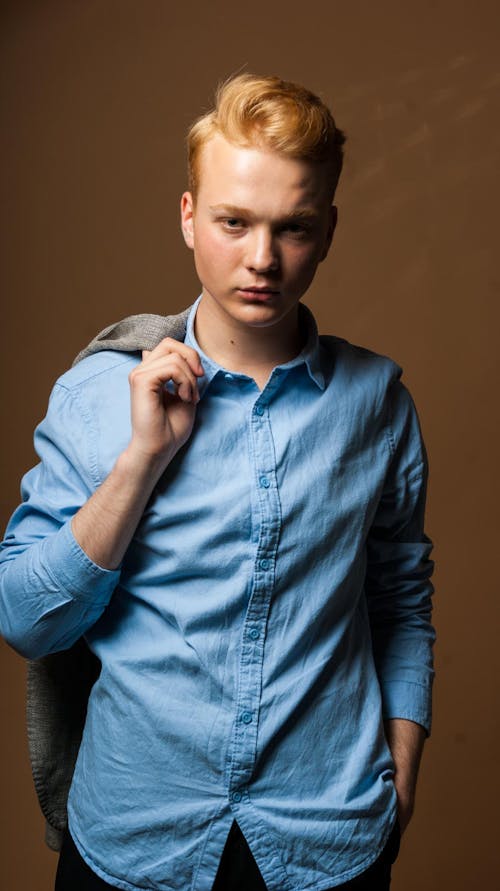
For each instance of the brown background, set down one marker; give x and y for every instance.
(95, 98)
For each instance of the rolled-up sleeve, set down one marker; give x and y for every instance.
(50, 590)
(399, 569)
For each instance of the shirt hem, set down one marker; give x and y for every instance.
(351, 874)
(331, 882)
(105, 876)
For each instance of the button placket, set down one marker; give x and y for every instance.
(244, 743)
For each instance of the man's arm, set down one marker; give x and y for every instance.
(399, 591)
(406, 742)
(161, 424)
(63, 547)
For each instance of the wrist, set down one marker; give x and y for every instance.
(141, 467)
(405, 785)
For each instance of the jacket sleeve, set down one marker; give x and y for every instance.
(398, 585)
(50, 591)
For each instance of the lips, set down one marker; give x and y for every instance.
(258, 296)
(260, 291)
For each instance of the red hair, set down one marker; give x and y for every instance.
(270, 113)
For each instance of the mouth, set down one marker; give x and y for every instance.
(262, 293)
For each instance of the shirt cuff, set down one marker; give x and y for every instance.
(405, 699)
(76, 572)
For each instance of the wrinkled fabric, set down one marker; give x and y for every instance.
(272, 610)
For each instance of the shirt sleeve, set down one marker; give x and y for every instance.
(51, 592)
(398, 585)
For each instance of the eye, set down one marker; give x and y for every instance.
(232, 223)
(298, 230)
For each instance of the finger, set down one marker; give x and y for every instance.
(170, 345)
(171, 390)
(162, 369)
(145, 354)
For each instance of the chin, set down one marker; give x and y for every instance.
(254, 315)
(250, 312)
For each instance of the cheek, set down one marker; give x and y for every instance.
(301, 266)
(213, 254)
(302, 259)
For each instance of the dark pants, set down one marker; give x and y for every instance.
(237, 869)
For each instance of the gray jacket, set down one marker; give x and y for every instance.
(58, 685)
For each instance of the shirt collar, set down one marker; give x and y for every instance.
(309, 355)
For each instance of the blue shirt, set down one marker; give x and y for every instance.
(272, 609)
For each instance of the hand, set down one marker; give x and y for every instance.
(161, 421)
(406, 741)
(406, 804)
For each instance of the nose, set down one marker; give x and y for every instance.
(262, 255)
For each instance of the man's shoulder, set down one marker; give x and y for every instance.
(138, 332)
(117, 348)
(109, 364)
(355, 361)
(90, 406)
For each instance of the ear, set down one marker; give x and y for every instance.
(187, 219)
(332, 222)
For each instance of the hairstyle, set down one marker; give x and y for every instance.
(270, 113)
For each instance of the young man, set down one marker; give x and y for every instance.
(233, 520)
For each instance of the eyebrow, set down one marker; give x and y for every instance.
(302, 213)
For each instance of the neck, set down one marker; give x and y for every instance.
(241, 347)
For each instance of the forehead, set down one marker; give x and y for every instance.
(258, 177)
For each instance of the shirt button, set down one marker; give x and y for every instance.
(264, 564)
(264, 482)
(237, 796)
(229, 377)
(259, 410)
(254, 633)
(246, 717)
